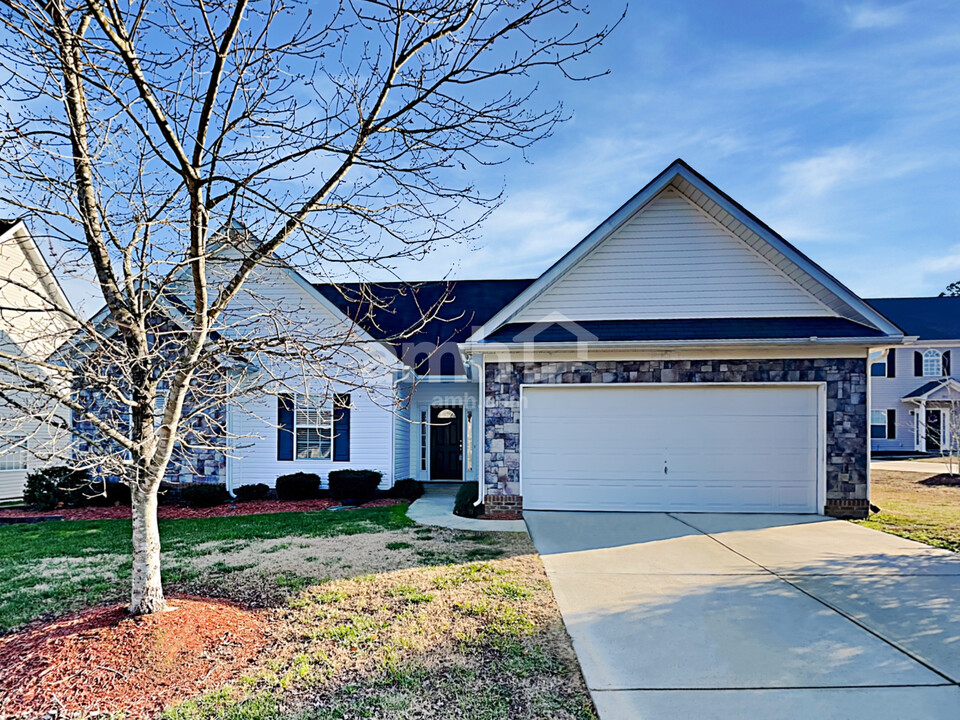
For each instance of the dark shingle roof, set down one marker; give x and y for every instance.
(6, 224)
(929, 318)
(696, 329)
(925, 388)
(400, 306)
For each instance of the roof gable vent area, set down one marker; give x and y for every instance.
(671, 260)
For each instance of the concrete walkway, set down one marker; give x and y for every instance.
(920, 466)
(754, 616)
(436, 508)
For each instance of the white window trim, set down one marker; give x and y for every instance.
(15, 452)
(932, 363)
(321, 421)
(882, 414)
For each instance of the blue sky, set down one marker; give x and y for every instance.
(837, 124)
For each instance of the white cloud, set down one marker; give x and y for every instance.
(867, 17)
(814, 176)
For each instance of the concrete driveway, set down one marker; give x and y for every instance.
(754, 616)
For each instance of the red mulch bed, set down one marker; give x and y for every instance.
(104, 661)
(178, 512)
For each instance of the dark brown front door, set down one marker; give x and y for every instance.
(934, 430)
(446, 443)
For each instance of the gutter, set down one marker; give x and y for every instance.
(482, 347)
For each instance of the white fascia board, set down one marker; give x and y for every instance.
(483, 348)
(45, 273)
(790, 252)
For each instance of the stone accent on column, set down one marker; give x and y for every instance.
(846, 399)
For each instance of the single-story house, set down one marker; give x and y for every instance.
(681, 357)
(915, 390)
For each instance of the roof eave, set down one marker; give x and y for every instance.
(481, 347)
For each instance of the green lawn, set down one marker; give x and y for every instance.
(369, 614)
(53, 567)
(927, 514)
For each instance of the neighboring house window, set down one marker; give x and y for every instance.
(932, 363)
(313, 430)
(878, 369)
(13, 452)
(883, 424)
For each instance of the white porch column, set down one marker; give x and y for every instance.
(922, 427)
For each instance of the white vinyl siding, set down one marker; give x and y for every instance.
(360, 372)
(672, 260)
(401, 434)
(696, 448)
(254, 454)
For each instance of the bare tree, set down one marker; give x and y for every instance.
(343, 136)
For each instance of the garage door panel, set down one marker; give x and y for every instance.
(710, 449)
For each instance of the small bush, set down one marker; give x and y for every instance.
(466, 497)
(248, 493)
(204, 496)
(408, 489)
(51, 487)
(298, 486)
(108, 494)
(355, 486)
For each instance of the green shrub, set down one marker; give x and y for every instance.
(298, 486)
(408, 488)
(51, 487)
(108, 494)
(354, 486)
(248, 493)
(466, 497)
(204, 496)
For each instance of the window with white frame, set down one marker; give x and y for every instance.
(932, 363)
(13, 452)
(878, 368)
(313, 429)
(878, 424)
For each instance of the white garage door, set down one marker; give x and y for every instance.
(688, 448)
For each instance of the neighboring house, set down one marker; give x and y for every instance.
(682, 357)
(915, 390)
(32, 329)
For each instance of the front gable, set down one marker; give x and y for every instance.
(682, 250)
(672, 260)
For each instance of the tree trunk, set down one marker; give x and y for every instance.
(146, 593)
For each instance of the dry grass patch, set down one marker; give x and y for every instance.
(928, 514)
(479, 640)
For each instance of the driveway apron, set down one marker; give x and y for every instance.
(772, 616)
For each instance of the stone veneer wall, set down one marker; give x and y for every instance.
(846, 385)
(193, 461)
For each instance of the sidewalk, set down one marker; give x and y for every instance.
(931, 468)
(436, 508)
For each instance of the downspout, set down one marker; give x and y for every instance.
(482, 440)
